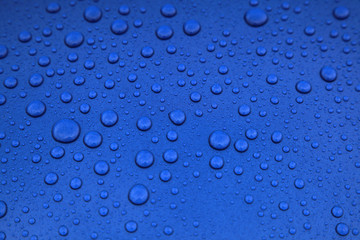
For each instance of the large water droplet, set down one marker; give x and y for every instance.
(219, 140)
(65, 131)
(255, 17)
(138, 194)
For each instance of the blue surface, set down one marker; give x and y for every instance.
(179, 120)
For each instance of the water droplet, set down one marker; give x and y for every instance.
(144, 159)
(255, 17)
(219, 140)
(63, 231)
(2, 99)
(191, 27)
(165, 175)
(299, 183)
(164, 32)
(276, 137)
(216, 89)
(36, 80)
(131, 226)
(342, 229)
(65, 131)
(249, 199)
(74, 39)
(138, 194)
(170, 156)
(238, 170)
(216, 162)
(57, 152)
(92, 14)
(283, 206)
(251, 134)
(309, 30)
(341, 12)
(328, 74)
(147, 52)
(168, 10)
(177, 117)
(109, 118)
(53, 7)
(124, 10)
(271, 79)
(93, 139)
(244, 110)
(24, 36)
(337, 211)
(75, 183)
(36, 109)
(101, 168)
(10, 82)
(168, 230)
(303, 87)
(3, 51)
(103, 211)
(195, 97)
(51, 178)
(3, 209)
(241, 145)
(144, 124)
(119, 27)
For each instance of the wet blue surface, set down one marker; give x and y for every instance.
(179, 120)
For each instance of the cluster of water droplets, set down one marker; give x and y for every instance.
(138, 109)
